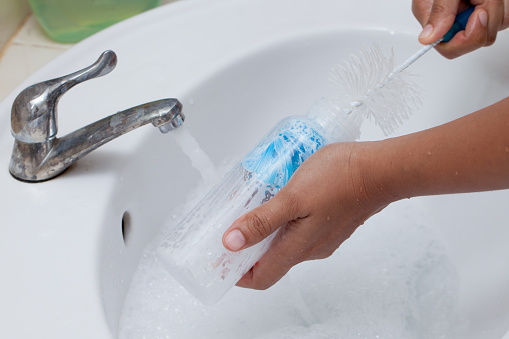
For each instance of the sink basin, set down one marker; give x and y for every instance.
(70, 246)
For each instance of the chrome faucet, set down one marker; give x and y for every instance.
(38, 154)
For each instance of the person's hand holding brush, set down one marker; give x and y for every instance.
(436, 17)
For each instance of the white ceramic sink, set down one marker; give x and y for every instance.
(238, 67)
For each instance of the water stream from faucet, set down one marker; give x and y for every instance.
(199, 159)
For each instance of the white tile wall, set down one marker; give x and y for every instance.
(28, 50)
(12, 15)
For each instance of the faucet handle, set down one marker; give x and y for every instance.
(34, 111)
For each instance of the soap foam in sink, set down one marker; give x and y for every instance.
(391, 279)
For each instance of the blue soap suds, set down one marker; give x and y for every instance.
(275, 160)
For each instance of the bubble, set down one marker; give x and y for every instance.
(390, 279)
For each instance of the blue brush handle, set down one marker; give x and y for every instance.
(459, 24)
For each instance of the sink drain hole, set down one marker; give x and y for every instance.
(126, 227)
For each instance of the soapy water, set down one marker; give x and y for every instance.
(391, 279)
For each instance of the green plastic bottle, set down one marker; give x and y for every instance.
(70, 21)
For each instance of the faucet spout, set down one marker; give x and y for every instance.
(36, 158)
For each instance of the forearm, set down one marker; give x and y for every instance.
(466, 155)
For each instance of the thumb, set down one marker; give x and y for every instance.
(258, 224)
(441, 19)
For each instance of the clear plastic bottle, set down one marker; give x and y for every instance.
(70, 21)
(194, 253)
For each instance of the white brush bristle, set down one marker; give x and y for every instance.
(368, 88)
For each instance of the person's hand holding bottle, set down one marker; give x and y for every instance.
(343, 184)
(340, 186)
(323, 203)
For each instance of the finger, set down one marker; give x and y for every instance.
(441, 19)
(473, 37)
(494, 18)
(287, 250)
(421, 10)
(258, 224)
(297, 241)
(264, 274)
